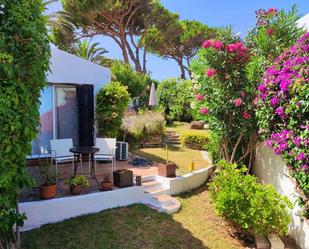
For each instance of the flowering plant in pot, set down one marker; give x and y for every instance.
(48, 188)
(76, 184)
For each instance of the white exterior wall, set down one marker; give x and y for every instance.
(68, 68)
(55, 210)
(187, 182)
(271, 169)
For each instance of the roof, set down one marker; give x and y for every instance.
(68, 68)
(304, 22)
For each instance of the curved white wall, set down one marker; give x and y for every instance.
(271, 169)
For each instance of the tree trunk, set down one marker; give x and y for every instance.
(182, 69)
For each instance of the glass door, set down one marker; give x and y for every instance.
(66, 113)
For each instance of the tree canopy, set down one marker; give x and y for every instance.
(179, 41)
(124, 21)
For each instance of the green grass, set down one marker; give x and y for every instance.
(181, 127)
(179, 155)
(195, 226)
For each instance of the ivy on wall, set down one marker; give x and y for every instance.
(24, 60)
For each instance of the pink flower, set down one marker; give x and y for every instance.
(231, 48)
(204, 110)
(217, 44)
(237, 102)
(210, 72)
(208, 43)
(246, 115)
(272, 11)
(242, 94)
(199, 97)
(270, 31)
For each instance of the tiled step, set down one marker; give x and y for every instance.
(148, 178)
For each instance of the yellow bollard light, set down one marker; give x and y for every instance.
(191, 165)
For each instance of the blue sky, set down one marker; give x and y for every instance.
(237, 13)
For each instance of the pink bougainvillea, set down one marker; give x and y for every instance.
(283, 108)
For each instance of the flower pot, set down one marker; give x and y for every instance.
(168, 170)
(106, 185)
(123, 178)
(76, 189)
(48, 191)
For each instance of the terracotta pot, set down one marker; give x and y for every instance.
(48, 192)
(106, 185)
(76, 189)
(168, 170)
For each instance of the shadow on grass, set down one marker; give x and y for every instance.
(132, 227)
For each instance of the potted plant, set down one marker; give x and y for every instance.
(123, 178)
(48, 188)
(77, 183)
(168, 169)
(107, 184)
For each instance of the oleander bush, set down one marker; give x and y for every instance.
(283, 109)
(24, 57)
(194, 140)
(111, 103)
(256, 208)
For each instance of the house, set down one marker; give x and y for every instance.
(67, 102)
(304, 22)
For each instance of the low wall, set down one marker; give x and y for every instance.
(187, 182)
(271, 169)
(55, 210)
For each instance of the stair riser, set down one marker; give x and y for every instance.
(152, 188)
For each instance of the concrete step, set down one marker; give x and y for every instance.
(164, 199)
(171, 208)
(157, 192)
(148, 178)
(151, 185)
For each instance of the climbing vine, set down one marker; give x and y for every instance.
(24, 60)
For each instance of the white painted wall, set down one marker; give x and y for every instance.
(68, 68)
(271, 169)
(55, 210)
(187, 182)
(304, 22)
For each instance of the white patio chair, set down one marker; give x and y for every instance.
(60, 151)
(107, 151)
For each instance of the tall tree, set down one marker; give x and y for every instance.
(178, 42)
(89, 51)
(125, 21)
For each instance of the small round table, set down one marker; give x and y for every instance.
(79, 151)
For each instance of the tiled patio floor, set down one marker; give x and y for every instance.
(66, 171)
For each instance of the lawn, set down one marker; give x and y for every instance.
(181, 127)
(195, 226)
(180, 155)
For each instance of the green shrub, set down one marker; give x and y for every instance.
(111, 103)
(77, 180)
(136, 82)
(24, 60)
(256, 208)
(141, 127)
(174, 99)
(194, 140)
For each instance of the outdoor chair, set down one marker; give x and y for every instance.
(60, 151)
(107, 147)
